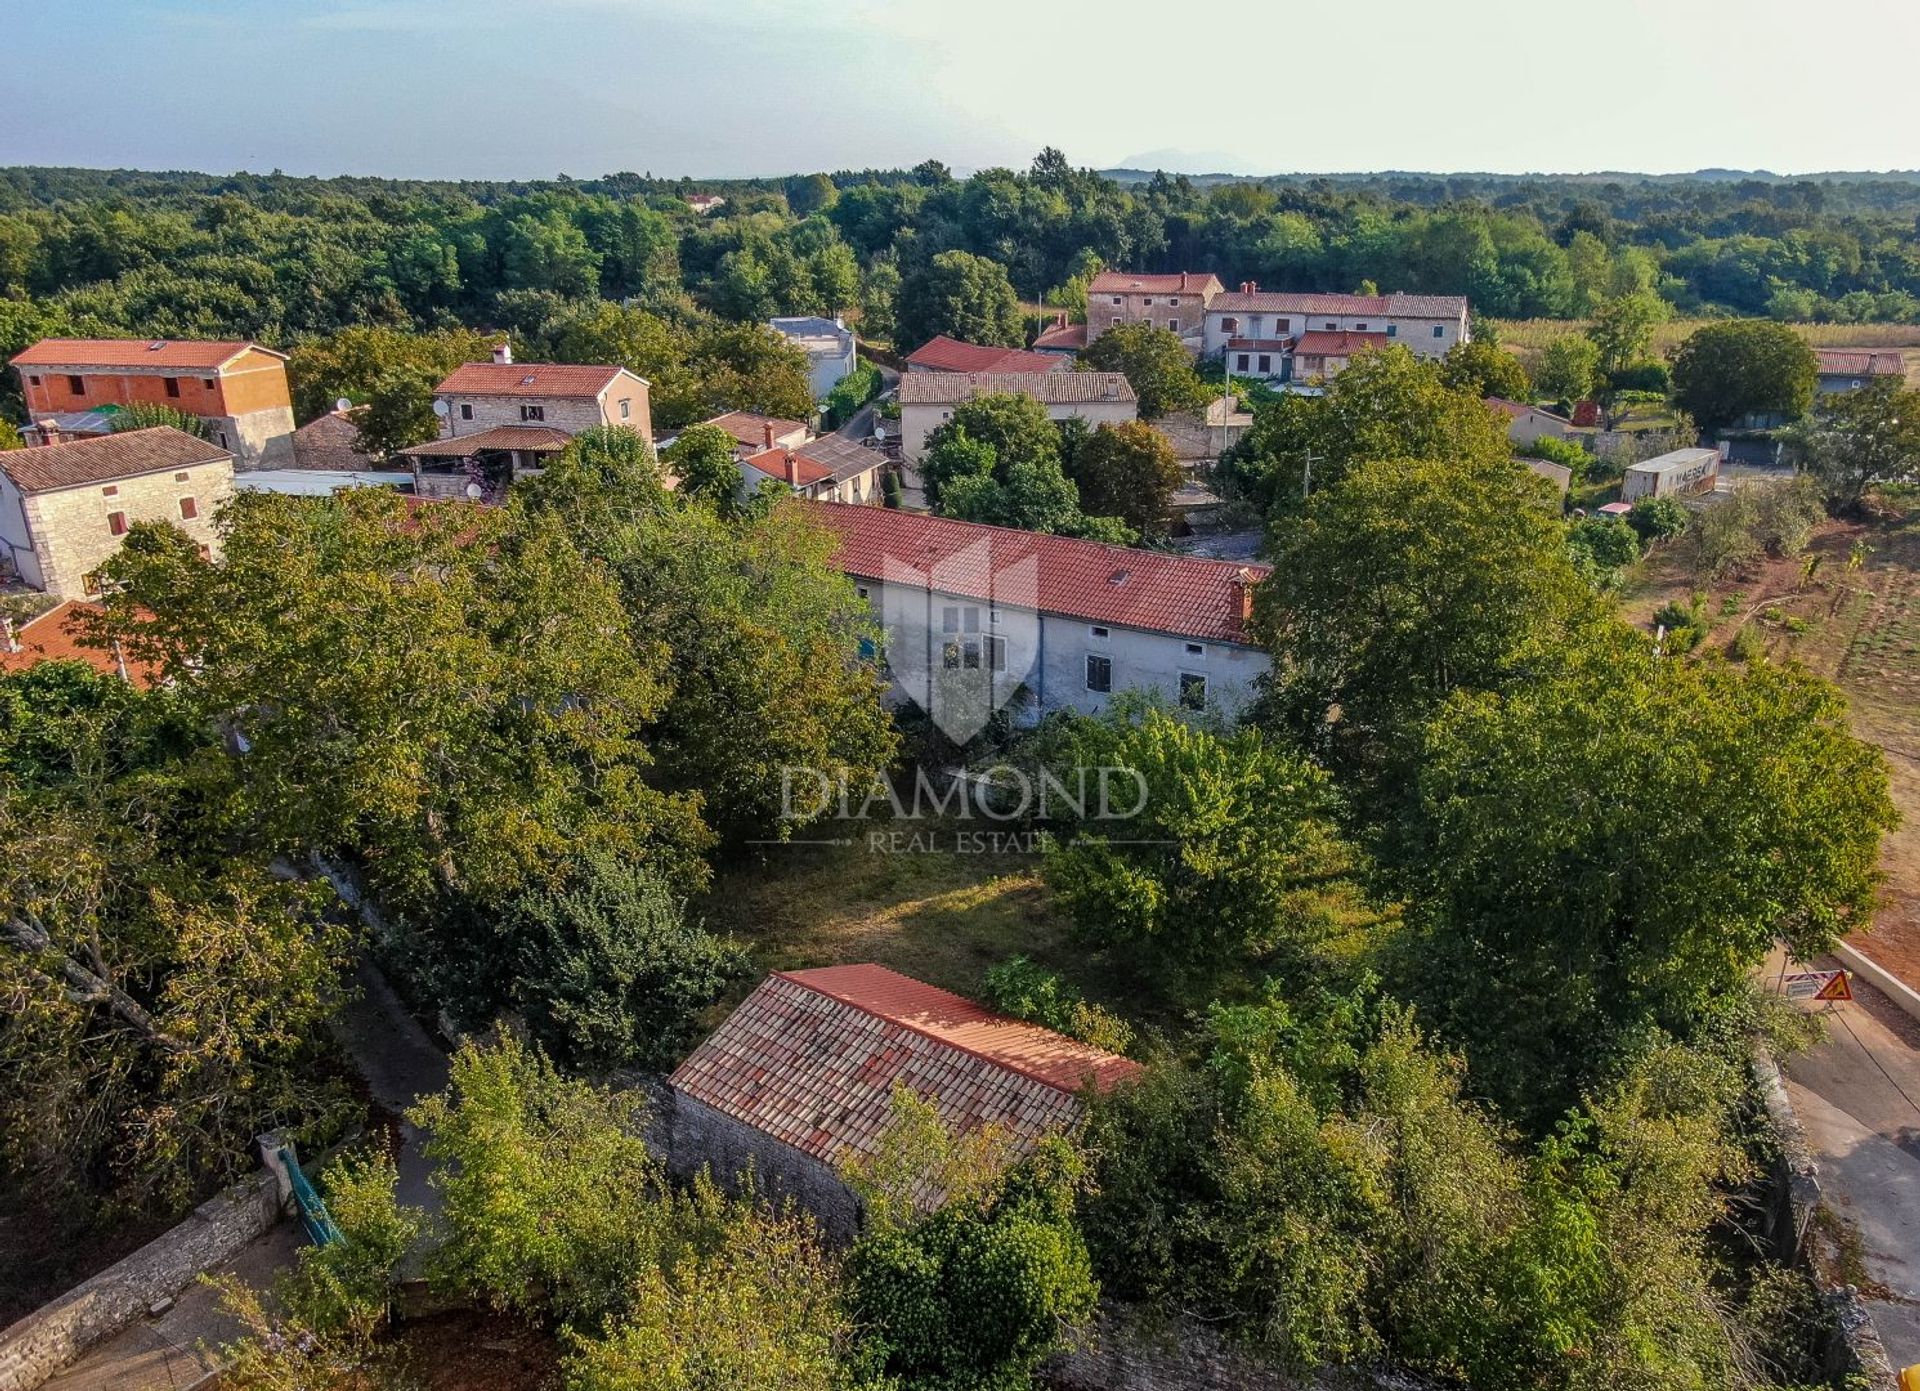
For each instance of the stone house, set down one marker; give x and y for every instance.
(831, 468)
(799, 1081)
(1849, 369)
(1279, 336)
(928, 398)
(65, 507)
(55, 636)
(987, 618)
(500, 420)
(1175, 302)
(943, 354)
(1526, 423)
(755, 434)
(829, 346)
(238, 388)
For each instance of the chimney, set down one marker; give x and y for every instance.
(503, 353)
(793, 470)
(766, 434)
(49, 431)
(1253, 287)
(1246, 287)
(1243, 584)
(8, 641)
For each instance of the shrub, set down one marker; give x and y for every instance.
(1788, 513)
(1649, 376)
(1029, 991)
(1556, 451)
(852, 392)
(1657, 518)
(1747, 645)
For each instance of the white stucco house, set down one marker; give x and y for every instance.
(829, 346)
(978, 618)
(1283, 336)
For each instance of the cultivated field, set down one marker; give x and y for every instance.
(1860, 627)
(1526, 338)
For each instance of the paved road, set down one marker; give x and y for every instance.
(401, 1064)
(1858, 1098)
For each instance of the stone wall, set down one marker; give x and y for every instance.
(73, 534)
(700, 1135)
(37, 1346)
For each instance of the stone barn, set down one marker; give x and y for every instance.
(799, 1079)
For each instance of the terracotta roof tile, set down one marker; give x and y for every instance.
(1860, 362)
(1387, 306)
(1063, 338)
(566, 379)
(50, 467)
(540, 438)
(812, 1058)
(1324, 344)
(750, 429)
(160, 354)
(944, 354)
(1186, 282)
(1153, 591)
(55, 637)
(1052, 388)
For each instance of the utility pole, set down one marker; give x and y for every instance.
(1306, 483)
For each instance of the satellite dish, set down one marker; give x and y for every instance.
(343, 405)
(473, 492)
(439, 406)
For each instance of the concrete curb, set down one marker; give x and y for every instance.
(1878, 976)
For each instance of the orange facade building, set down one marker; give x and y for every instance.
(72, 386)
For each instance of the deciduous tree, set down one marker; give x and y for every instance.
(1156, 366)
(962, 295)
(1128, 471)
(1749, 366)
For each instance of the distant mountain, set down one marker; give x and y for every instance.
(1174, 161)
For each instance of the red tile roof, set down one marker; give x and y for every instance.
(1323, 344)
(565, 379)
(102, 459)
(790, 466)
(1387, 306)
(1051, 388)
(55, 637)
(1860, 362)
(944, 354)
(158, 353)
(1189, 596)
(1520, 409)
(813, 1057)
(750, 429)
(1186, 282)
(1066, 337)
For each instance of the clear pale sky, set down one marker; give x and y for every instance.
(717, 88)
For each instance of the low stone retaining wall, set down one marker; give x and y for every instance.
(55, 1334)
(1904, 996)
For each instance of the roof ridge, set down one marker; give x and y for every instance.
(1111, 547)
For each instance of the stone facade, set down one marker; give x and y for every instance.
(58, 538)
(37, 1346)
(623, 403)
(701, 1137)
(1115, 298)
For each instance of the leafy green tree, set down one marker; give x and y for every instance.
(1622, 329)
(1753, 813)
(974, 1295)
(702, 461)
(1483, 369)
(810, 193)
(10, 437)
(604, 966)
(1569, 368)
(475, 718)
(959, 294)
(1027, 990)
(1388, 405)
(1658, 519)
(391, 372)
(879, 293)
(1859, 438)
(1601, 547)
(1128, 471)
(145, 415)
(1745, 367)
(1234, 853)
(1403, 582)
(1015, 426)
(1155, 364)
(957, 462)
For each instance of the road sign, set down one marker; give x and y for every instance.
(1818, 985)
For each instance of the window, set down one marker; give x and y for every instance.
(969, 620)
(997, 653)
(180, 478)
(1393, 330)
(1283, 325)
(1331, 325)
(1098, 632)
(1116, 299)
(1193, 691)
(1174, 302)
(867, 650)
(33, 381)
(189, 508)
(1229, 325)
(1173, 325)
(208, 383)
(466, 410)
(206, 552)
(91, 582)
(1439, 330)
(172, 385)
(1148, 301)
(533, 412)
(220, 437)
(970, 654)
(1266, 364)
(950, 619)
(77, 385)
(861, 590)
(1359, 328)
(111, 490)
(117, 523)
(626, 409)
(1240, 362)
(1195, 649)
(1099, 674)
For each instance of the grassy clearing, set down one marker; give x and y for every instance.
(1861, 629)
(1528, 338)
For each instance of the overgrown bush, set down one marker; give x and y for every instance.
(1557, 451)
(1029, 991)
(850, 393)
(1657, 518)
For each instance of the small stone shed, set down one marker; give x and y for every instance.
(800, 1078)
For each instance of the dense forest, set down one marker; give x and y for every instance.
(288, 259)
